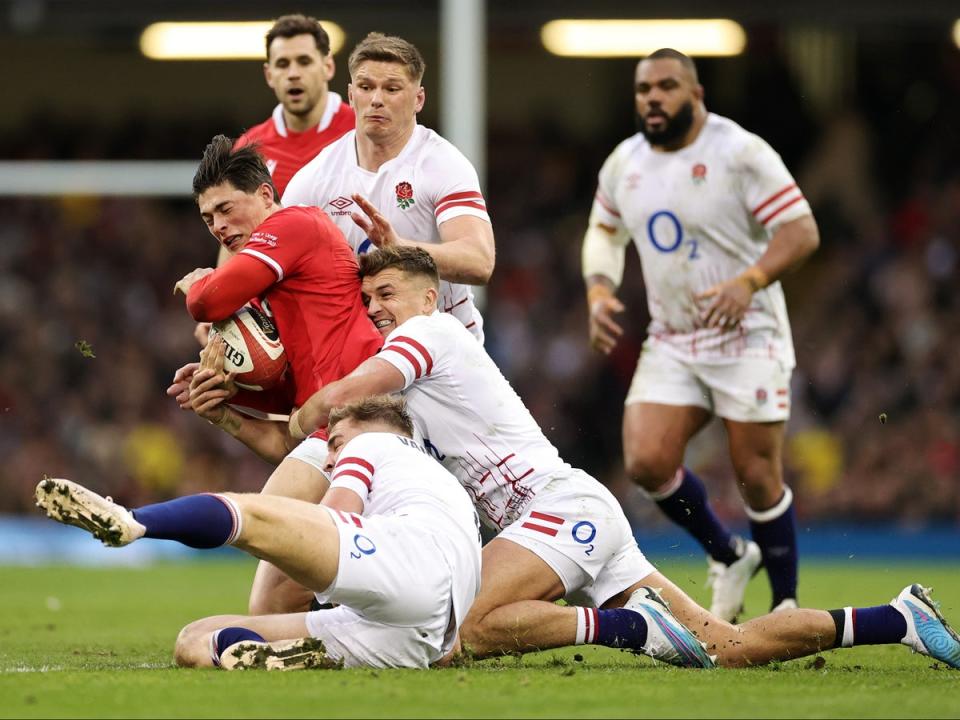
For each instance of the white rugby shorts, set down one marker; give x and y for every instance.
(395, 585)
(576, 526)
(745, 389)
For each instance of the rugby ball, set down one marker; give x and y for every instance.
(254, 351)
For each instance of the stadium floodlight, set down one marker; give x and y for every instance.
(216, 40)
(956, 33)
(635, 38)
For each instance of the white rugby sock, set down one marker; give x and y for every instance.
(587, 623)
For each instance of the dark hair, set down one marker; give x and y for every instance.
(671, 54)
(388, 409)
(411, 260)
(388, 48)
(241, 167)
(288, 26)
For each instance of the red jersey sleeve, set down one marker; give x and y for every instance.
(228, 288)
(282, 241)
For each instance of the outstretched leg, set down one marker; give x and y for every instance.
(269, 527)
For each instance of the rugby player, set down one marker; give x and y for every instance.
(561, 533)
(394, 182)
(395, 543)
(717, 219)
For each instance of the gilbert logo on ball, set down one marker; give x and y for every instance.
(254, 351)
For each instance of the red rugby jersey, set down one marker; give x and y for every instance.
(299, 263)
(286, 151)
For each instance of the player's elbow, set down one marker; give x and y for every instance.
(202, 308)
(809, 236)
(482, 269)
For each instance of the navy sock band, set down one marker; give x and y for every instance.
(688, 507)
(621, 628)
(225, 637)
(199, 521)
(880, 625)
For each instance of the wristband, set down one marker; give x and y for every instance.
(294, 425)
(223, 419)
(755, 278)
(597, 292)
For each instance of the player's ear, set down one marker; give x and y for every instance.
(421, 98)
(430, 297)
(698, 92)
(350, 95)
(267, 75)
(330, 67)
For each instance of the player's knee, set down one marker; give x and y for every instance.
(761, 482)
(477, 637)
(649, 470)
(191, 648)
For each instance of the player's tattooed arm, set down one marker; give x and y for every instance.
(466, 252)
(211, 388)
(791, 244)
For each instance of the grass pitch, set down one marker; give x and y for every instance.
(77, 642)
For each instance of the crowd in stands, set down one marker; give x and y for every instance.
(91, 332)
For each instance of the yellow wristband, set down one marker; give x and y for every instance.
(755, 278)
(597, 292)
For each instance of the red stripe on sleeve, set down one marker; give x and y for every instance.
(779, 210)
(408, 355)
(419, 348)
(355, 461)
(354, 473)
(773, 197)
(606, 205)
(463, 203)
(465, 195)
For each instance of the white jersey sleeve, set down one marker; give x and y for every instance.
(454, 188)
(769, 190)
(356, 466)
(416, 349)
(603, 251)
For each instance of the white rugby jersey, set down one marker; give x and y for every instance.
(470, 418)
(698, 216)
(395, 475)
(428, 183)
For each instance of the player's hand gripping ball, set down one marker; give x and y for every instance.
(254, 351)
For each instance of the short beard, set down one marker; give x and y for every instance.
(674, 130)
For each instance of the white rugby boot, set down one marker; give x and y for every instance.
(729, 582)
(71, 504)
(668, 639)
(300, 654)
(927, 630)
(785, 604)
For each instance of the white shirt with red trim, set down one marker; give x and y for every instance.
(470, 418)
(428, 183)
(699, 216)
(395, 475)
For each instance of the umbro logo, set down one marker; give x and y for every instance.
(341, 204)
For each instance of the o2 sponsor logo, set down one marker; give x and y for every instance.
(666, 234)
(584, 532)
(363, 545)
